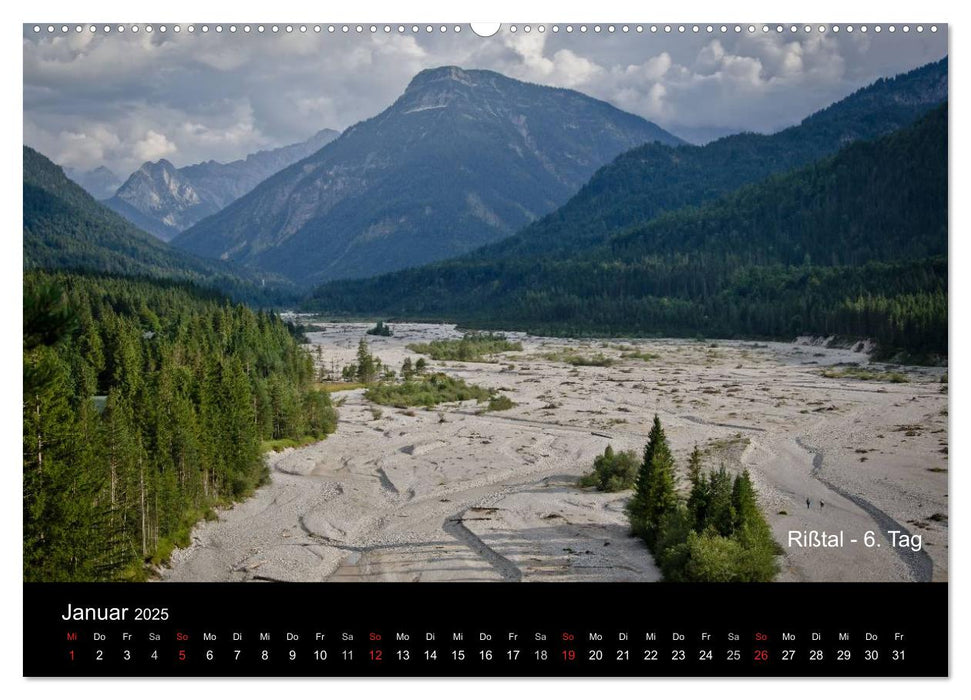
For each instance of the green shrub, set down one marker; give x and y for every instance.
(472, 347)
(712, 558)
(380, 329)
(612, 471)
(427, 391)
(500, 402)
(866, 375)
(640, 355)
(571, 357)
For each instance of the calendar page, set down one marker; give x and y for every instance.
(493, 350)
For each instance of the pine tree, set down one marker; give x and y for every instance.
(750, 524)
(744, 502)
(694, 466)
(367, 367)
(699, 497)
(654, 490)
(639, 504)
(720, 516)
(663, 497)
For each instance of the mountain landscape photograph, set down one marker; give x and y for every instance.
(551, 305)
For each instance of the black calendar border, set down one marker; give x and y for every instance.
(919, 610)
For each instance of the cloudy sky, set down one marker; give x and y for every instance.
(118, 100)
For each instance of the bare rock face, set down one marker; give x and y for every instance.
(165, 200)
(462, 158)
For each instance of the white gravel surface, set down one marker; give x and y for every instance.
(452, 494)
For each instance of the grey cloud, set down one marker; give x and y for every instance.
(116, 100)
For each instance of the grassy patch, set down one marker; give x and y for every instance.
(644, 356)
(427, 391)
(736, 442)
(331, 387)
(472, 347)
(284, 443)
(572, 357)
(181, 537)
(867, 375)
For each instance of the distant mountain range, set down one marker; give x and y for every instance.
(66, 228)
(100, 183)
(717, 240)
(165, 200)
(835, 226)
(462, 158)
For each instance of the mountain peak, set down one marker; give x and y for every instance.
(461, 158)
(165, 200)
(161, 165)
(437, 75)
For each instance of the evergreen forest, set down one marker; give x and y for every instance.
(146, 405)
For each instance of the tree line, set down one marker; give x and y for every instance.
(146, 404)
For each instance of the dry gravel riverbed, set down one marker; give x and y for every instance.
(458, 495)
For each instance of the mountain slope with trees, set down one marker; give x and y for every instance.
(66, 228)
(652, 179)
(852, 245)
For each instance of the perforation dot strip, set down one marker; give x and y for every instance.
(455, 28)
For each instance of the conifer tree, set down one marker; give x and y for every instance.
(694, 466)
(367, 367)
(744, 501)
(720, 512)
(639, 504)
(654, 490)
(662, 497)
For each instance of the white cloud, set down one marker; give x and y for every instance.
(154, 146)
(92, 99)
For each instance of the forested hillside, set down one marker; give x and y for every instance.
(853, 245)
(66, 228)
(654, 178)
(146, 404)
